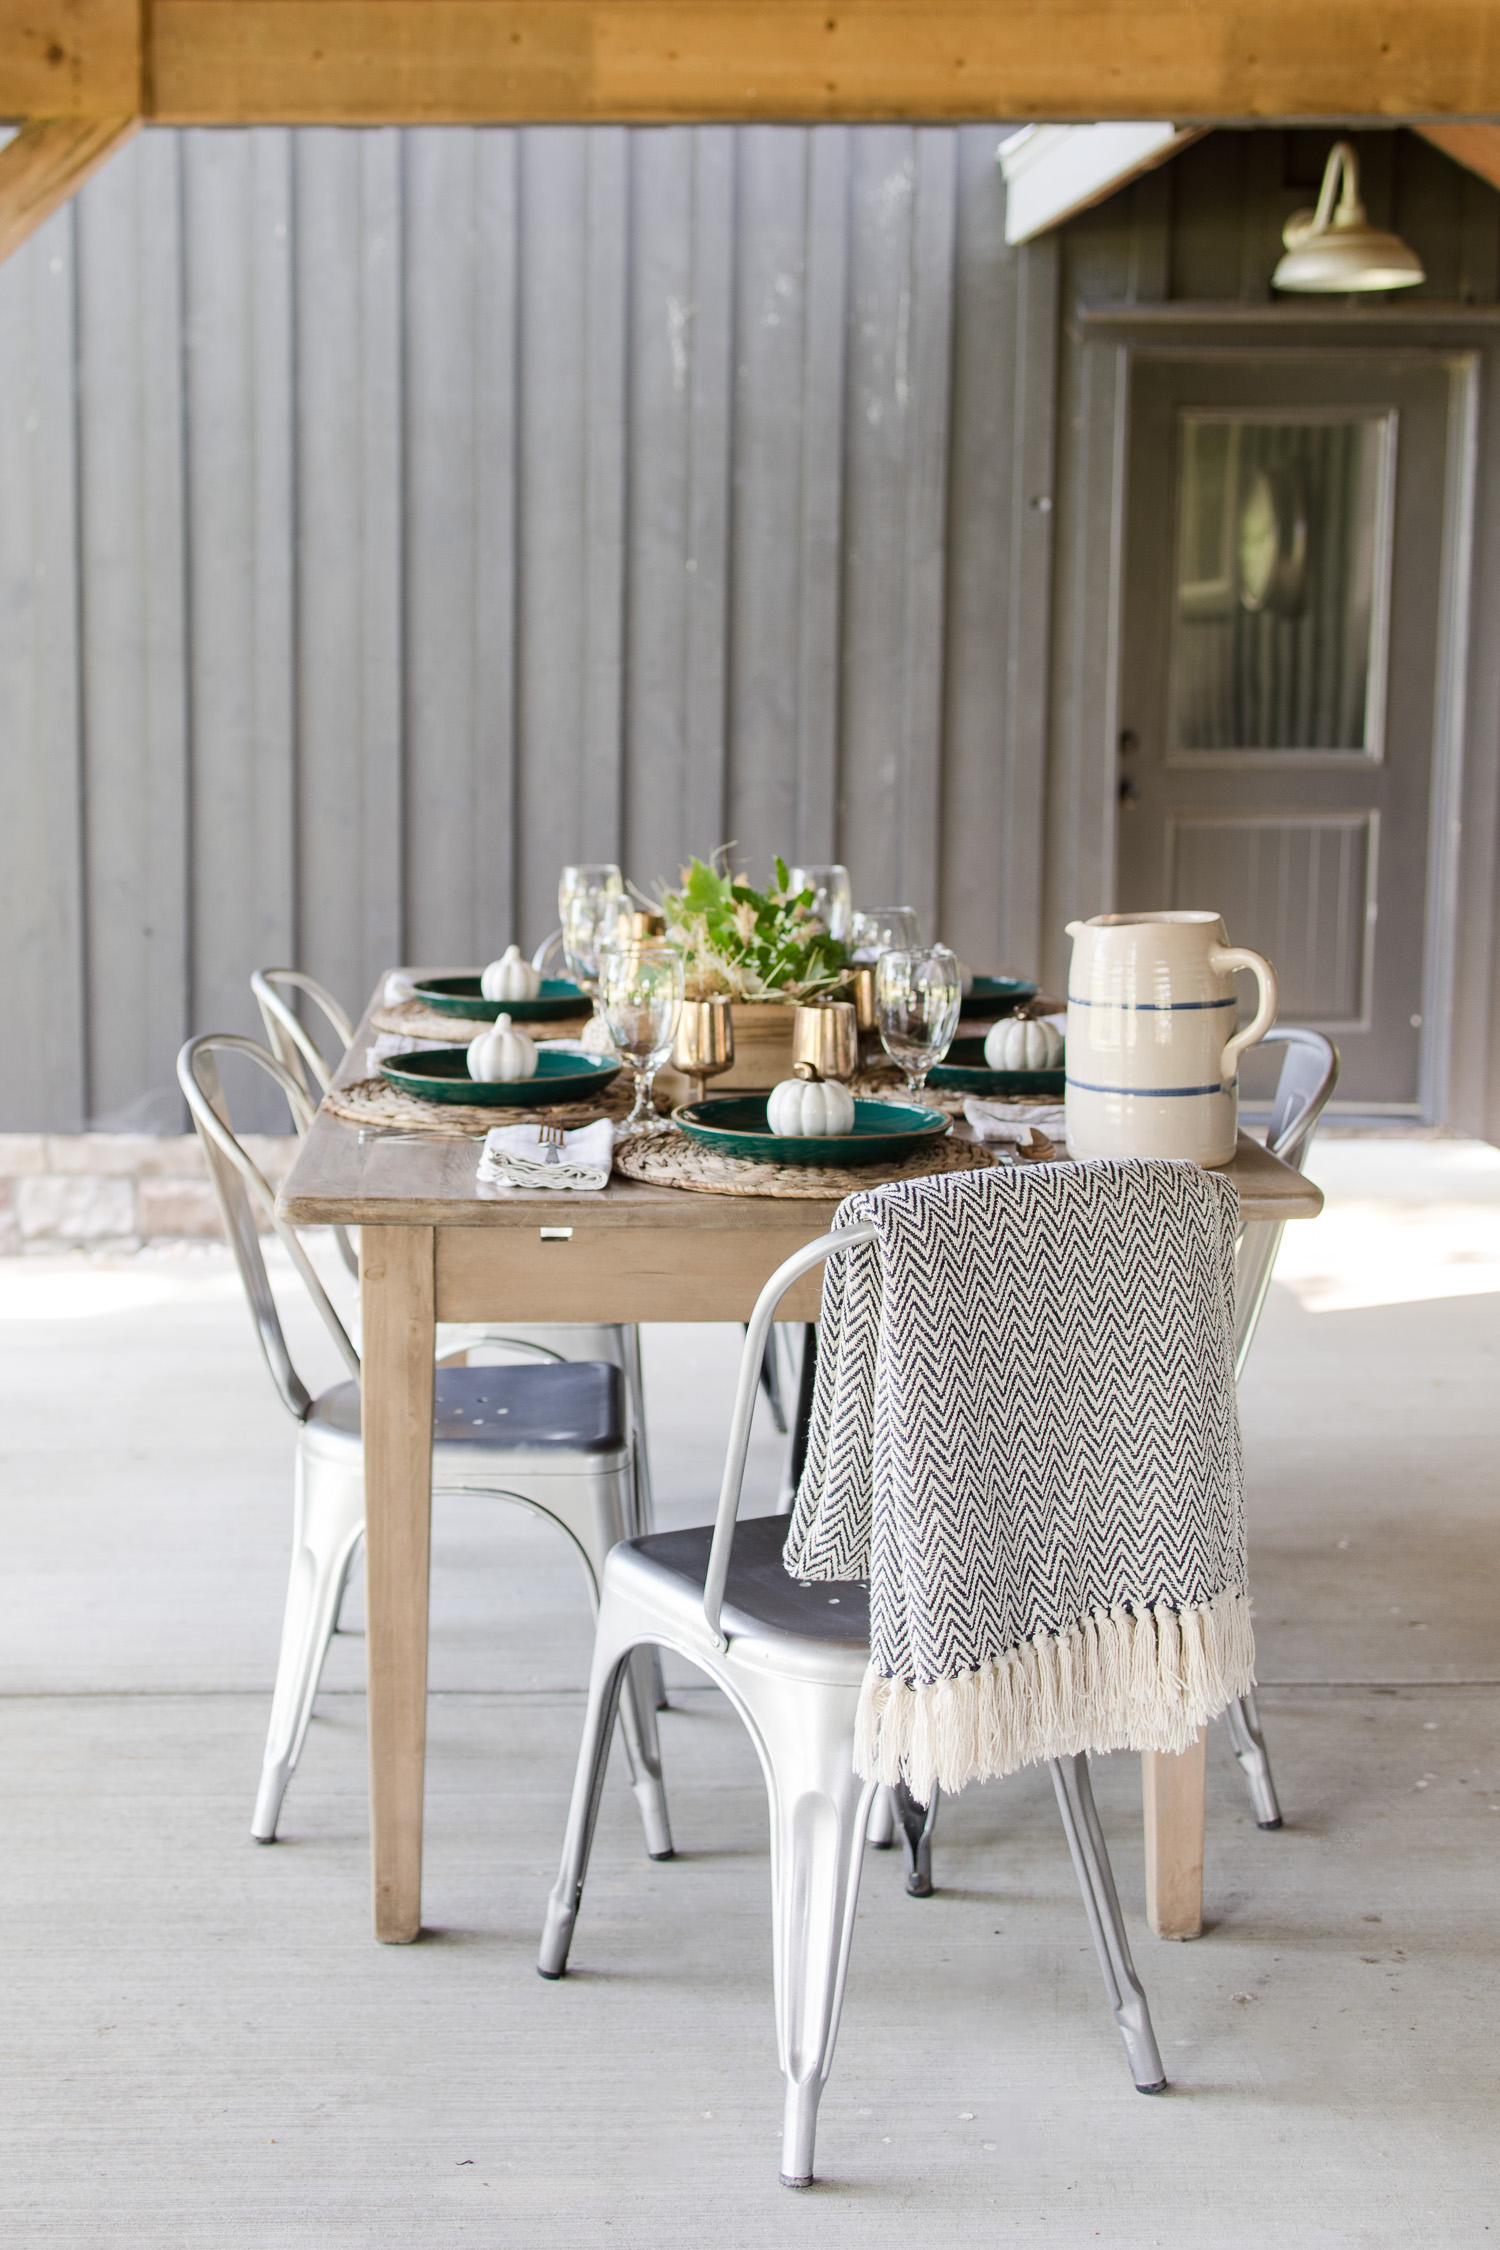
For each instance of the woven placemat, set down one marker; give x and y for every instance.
(413, 1019)
(672, 1160)
(375, 1102)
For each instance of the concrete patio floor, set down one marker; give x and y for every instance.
(204, 2046)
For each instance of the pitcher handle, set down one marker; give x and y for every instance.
(1224, 960)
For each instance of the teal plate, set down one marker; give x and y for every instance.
(996, 996)
(968, 1073)
(441, 1074)
(735, 1124)
(461, 996)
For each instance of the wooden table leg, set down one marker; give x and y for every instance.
(1172, 1790)
(396, 1287)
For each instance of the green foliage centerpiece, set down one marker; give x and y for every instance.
(751, 945)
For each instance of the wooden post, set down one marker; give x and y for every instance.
(49, 160)
(1172, 1795)
(396, 1284)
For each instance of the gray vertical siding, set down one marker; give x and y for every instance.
(391, 516)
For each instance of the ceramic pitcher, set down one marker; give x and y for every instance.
(1153, 1053)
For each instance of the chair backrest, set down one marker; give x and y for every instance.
(752, 1359)
(548, 955)
(287, 1037)
(1309, 1073)
(239, 1185)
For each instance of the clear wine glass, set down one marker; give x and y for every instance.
(640, 998)
(833, 896)
(591, 924)
(877, 929)
(917, 994)
(588, 878)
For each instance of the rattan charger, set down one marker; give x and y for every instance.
(413, 1019)
(378, 1106)
(672, 1160)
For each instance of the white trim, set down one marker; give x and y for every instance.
(1051, 171)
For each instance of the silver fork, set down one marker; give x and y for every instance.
(554, 1140)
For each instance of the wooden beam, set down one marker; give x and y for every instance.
(48, 160)
(70, 58)
(1476, 147)
(470, 61)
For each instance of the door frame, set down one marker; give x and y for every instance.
(1459, 1071)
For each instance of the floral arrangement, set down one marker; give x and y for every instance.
(752, 945)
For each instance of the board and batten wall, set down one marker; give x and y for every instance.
(390, 516)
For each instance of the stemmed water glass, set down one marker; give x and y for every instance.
(917, 996)
(876, 929)
(833, 896)
(592, 920)
(640, 998)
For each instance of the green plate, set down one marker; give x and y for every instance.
(461, 996)
(735, 1124)
(441, 1074)
(967, 1072)
(996, 996)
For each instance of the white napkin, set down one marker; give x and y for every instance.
(1014, 1121)
(516, 1156)
(398, 987)
(394, 1043)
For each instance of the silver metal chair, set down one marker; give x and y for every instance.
(555, 1439)
(1309, 1074)
(299, 1055)
(791, 1658)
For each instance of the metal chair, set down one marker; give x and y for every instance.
(1309, 1074)
(791, 1657)
(298, 1053)
(555, 1439)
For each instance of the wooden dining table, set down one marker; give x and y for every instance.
(437, 1246)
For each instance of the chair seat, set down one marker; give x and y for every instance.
(566, 1406)
(762, 1594)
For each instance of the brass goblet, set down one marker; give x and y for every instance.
(705, 1040)
(825, 1034)
(860, 986)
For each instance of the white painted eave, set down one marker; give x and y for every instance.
(1052, 171)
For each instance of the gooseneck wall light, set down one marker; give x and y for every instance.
(1334, 249)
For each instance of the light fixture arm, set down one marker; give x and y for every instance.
(1341, 180)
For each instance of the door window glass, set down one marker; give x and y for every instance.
(1281, 583)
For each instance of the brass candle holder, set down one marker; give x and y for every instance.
(860, 985)
(825, 1035)
(705, 1040)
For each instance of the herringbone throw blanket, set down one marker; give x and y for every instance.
(1024, 1434)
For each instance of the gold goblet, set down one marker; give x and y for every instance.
(825, 1034)
(705, 1040)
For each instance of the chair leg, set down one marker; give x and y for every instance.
(638, 1708)
(880, 1834)
(1127, 1999)
(330, 1515)
(917, 1825)
(644, 1501)
(606, 1680)
(1250, 1748)
(819, 1809)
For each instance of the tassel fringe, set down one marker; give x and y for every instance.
(1116, 1681)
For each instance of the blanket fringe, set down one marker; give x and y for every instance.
(1119, 1680)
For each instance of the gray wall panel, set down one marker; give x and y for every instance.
(41, 842)
(132, 560)
(457, 503)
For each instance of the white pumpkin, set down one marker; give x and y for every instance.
(501, 1052)
(802, 1108)
(511, 977)
(1023, 1043)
